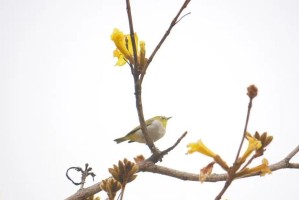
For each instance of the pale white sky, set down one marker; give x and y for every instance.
(62, 101)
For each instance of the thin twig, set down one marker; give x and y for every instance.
(172, 24)
(78, 169)
(249, 162)
(245, 129)
(132, 33)
(84, 174)
(154, 158)
(235, 167)
(182, 17)
(175, 144)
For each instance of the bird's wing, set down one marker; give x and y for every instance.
(147, 122)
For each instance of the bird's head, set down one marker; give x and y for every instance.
(162, 119)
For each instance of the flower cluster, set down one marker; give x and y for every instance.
(122, 174)
(124, 49)
(110, 186)
(255, 148)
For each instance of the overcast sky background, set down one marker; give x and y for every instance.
(62, 101)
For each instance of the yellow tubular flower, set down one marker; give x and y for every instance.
(201, 148)
(263, 169)
(120, 42)
(121, 59)
(124, 48)
(142, 61)
(253, 145)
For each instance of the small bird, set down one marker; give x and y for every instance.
(156, 128)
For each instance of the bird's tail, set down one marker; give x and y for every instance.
(119, 140)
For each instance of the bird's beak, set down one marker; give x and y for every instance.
(168, 118)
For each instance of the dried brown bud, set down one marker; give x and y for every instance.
(268, 140)
(257, 135)
(117, 175)
(205, 172)
(110, 186)
(139, 159)
(124, 172)
(252, 91)
(263, 138)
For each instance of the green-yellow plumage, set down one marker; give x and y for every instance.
(156, 128)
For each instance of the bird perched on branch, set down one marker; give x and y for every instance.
(156, 128)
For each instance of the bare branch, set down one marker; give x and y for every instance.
(138, 79)
(175, 144)
(137, 83)
(154, 158)
(182, 17)
(245, 130)
(172, 24)
(132, 36)
(292, 154)
(86, 192)
(252, 93)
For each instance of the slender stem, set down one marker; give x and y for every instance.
(132, 37)
(249, 162)
(226, 185)
(235, 167)
(136, 71)
(139, 107)
(245, 130)
(122, 192)
(172, 24)
(156, 157)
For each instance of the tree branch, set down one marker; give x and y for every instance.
(138, 75)
(186, 176)
(137, 84)
(148, 166)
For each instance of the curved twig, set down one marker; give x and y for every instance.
(78, 169)
(84, 174)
